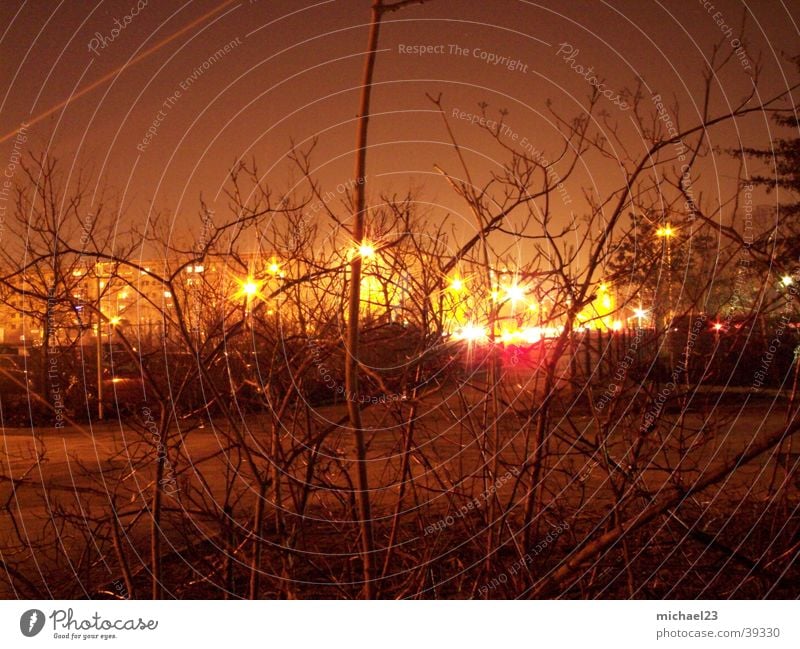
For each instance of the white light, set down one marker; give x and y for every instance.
(471, 333)
(515, 293)
(531, 334)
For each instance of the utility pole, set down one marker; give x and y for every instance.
(99, 346)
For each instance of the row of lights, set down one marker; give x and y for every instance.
(514, 293)
(251, 286)
(474, 333)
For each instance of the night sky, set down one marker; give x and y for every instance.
(292, 69)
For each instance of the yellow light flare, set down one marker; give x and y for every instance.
(114, 320)
(366, 250)
(457, 284)
(471, 333)
(787, 280)
(515, 293)
(249, 288)
(665, 231)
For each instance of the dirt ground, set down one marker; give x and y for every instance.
(76, 469)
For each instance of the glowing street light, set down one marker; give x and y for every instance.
(249, 287)
(274, 268)
(456, 284)
(114, 320)
(667, 232)
(366, 250)
(471, 333)
(515, 293)
(787, 280)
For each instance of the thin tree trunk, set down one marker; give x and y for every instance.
(541, 442)
(123, 561)
(405, 471)
(155, 530)
(351, 363)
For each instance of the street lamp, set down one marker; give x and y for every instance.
(249, 287)
(515, 293)
(99, 341)
(667, 233)
(366, 250)
(472, 333)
